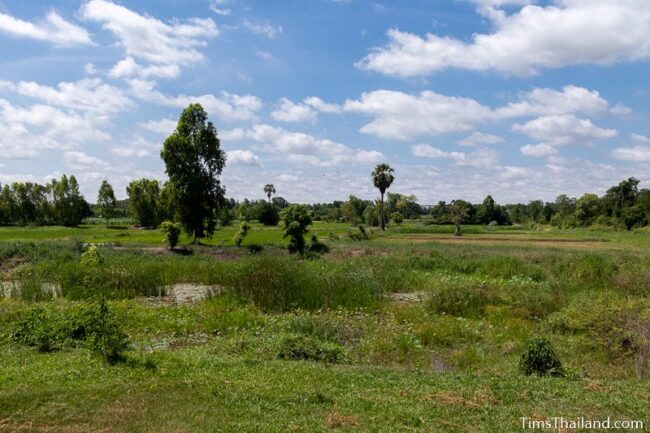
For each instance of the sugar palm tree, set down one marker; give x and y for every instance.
(269, 189)
(382, 177)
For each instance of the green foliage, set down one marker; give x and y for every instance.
(360, 235)
(460, 210)
(294, 220)
(106, 203)
(352, 210)
(540, 359)
(241, 234)
(194, 161)
(397, 217)
(316, 246)
(145, 202)
(104, 334)
(69, 206)
(301, 347)
(372, 216)
(382, 178)
(269, 190)
(91, 258)
(463, 297)
(172, 233)
(92, 325)
(267, 214)
(282, 283)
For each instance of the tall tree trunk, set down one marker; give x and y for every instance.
(383, 228)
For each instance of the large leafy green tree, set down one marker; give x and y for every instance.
(382, 178)
(70, 208)
(459, 211)
(352, 210)
(106, 202)
(194, 161)
(144, 202)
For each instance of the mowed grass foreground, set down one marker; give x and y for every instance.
(385, 335)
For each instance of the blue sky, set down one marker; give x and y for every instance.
(520, 99)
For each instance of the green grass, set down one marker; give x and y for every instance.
(236, 361)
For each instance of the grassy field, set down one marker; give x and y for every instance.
(413, 330)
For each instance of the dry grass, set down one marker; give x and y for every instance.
(336, 419)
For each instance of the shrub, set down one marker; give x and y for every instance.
(397, 217)
(104, 334)
(295, 220)
(300, 347)
(244, 227)
(316, 246)
(91, 257)
(172, 233)
(361, 235)
(92, 325)
(540, 359)
(267, 214)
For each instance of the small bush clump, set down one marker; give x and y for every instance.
(301, 347)
(91, 325)
(316, 246)
(540, 359)
(172, 233)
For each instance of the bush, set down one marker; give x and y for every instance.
(397, 217)
(316, 246)
(92, 325)
(361, 235)
(300, 347)
(295, 220)
(267, 214)
(540, 359)
(244, 227)
(172, 233)
(255, 249)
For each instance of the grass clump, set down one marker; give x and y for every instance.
(285, 283)
(540, 359)
(301, 347)
(464, 297)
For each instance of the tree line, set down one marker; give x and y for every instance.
(194, 197)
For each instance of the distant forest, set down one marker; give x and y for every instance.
(150, 202)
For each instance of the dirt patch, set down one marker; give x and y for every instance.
(10, 265)
(10, 289)
(405, 297)
(502, 240)
(336, 419)
(183, 294)
(482, 398)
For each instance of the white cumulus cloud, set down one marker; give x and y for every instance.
(564, 33)
(243, 157)
(288, 111)
(53, 29)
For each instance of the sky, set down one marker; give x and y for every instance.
(520, 99)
